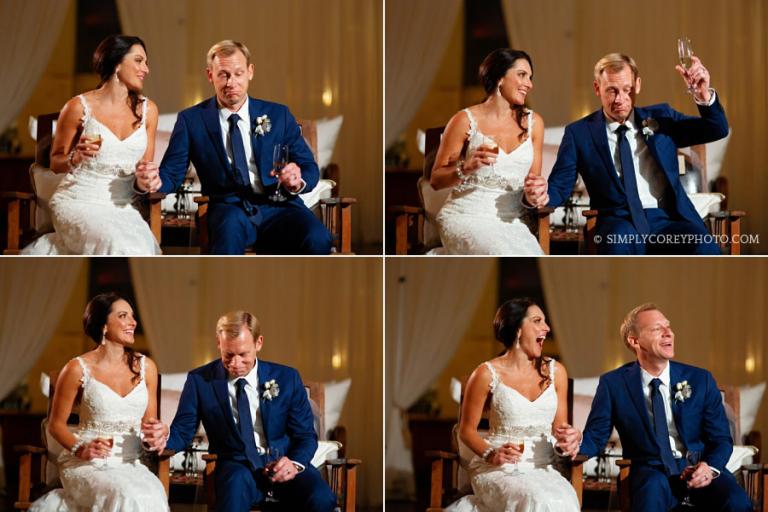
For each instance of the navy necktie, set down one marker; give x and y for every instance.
(246, 424)
(661, 429)
(630, 182)
(239, 161)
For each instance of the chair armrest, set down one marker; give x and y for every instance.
(404, 217)
(24, 196)
(339, 433)
(343, 481)
(201, 199)
(344, 201)
(729, 214)
(163, 460)
(576, 466)
(155, 214)
(440, 454)
(337, 218)
(28, 448)
(16, 228)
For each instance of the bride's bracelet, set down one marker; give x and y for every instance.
(78, 444)
(488, 451)
(71, 159)
(460, 170)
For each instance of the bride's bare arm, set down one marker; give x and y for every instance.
(150, 376)
(67, 386)
(538, 144)
(475, 395)
(67, 129)
(151, 124)
(568, 437)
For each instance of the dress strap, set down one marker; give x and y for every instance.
(86, 109)
(552, 369)
(86, 374)
(494, 375)
(142, 366)
(472, 123)
(530, 122)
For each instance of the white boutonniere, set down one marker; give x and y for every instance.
(683, 391)
(650, 125)
(271, 390)
(263, 125)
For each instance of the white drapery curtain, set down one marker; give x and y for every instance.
(425, 322)
(321, 316)
(526, 22)
(33, 294)
(417, 34)
(163, 27)
(28, 33)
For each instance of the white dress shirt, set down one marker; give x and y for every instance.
(252, 392)
(678, 448)
(244, 124)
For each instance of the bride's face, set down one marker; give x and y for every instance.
(517, 82)
(134, 68)
(121, 324)
(533, 332)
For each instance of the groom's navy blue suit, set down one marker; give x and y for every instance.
(701, 425)
(237, 216)
(585, 150)
(288, 424)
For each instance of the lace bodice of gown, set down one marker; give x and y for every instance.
(513, 416)
(103, 412)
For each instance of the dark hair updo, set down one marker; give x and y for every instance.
(508, 320)
(494, 67)
(108, 55)
(94, 320)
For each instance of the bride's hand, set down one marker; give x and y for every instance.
(96, 449)
(85, 148)
(505, 454)
(480, 158)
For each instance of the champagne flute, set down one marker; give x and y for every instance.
(692, 457)
(280, 156)
(684, 55)
(92, 134)
(271, 456)
(490, 145)
(519, 444)
(109, 440)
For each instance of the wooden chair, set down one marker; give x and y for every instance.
(446, 465)
(335, 211)
(343, 471)
(32, 483)
(413, 223)
(20, 207)
(725, 224)
(755, 475)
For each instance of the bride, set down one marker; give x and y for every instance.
(100, 137)
(115, 388)
(512, 470)
(504, 143)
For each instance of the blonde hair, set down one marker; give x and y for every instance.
(629, 325)
(226, 48)
(615, 62)
(230, 324)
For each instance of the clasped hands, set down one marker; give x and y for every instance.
(148, 176)
(568, 440)
(535, 190)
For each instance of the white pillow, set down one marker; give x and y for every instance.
(327, 133)
(715, 155)
(335, 395)
(706, 202)
(433, 200)
(44, 183)
(321, 191)
(750, 398)
(166, 122)
(741, 456)
(325, 450)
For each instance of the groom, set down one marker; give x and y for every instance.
(230, 139)
(246, 406)
(663, 410)
(627, 157)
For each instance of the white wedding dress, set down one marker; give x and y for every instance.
(537, 486)
(119, 483)
(482, 216)
(92, 208)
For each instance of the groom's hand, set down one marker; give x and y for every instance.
(148, 176)
(155, 434)
(535, 189)
(700, 477)
(283, 470)
(289, 177)
(697, 77)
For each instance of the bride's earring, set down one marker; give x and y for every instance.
(117, 79)
(104, 337)
(498, 90)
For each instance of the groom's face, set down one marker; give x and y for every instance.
(238, 354)
(617, 92)
(654, 340)
(230, 75)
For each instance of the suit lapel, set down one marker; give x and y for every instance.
(254, 111)
(221, 391)
(213, 127)
(634, 383)
(675, 376)
(265, 406)
(597, 129)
